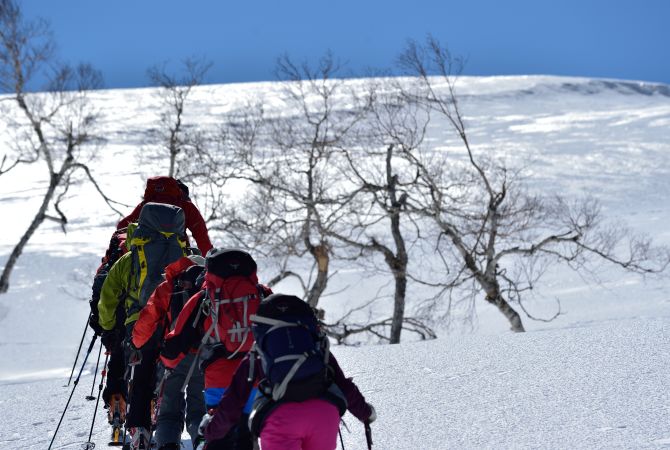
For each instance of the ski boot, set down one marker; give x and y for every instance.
(155, 409)
(140, 439)
(116, 416)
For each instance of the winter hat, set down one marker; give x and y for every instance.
(191, 274)
(227, 262)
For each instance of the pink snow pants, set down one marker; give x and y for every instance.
(308, 425)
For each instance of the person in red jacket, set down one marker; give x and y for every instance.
(163, 189)
(158, 317)
(197, 325)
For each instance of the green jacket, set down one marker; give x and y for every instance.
(115, 289)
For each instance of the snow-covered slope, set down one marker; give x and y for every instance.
(600, 385)
(596, 377)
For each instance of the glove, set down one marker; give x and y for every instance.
(95, 325)
(373, 414)
(109, 339)
(206, 419)
(134, 355)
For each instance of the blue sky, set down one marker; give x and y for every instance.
(626, 39)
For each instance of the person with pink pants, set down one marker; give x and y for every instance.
(311, 424)
(308, 425)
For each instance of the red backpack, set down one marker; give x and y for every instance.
(230, 296)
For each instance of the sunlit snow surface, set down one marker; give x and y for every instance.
(596, 377)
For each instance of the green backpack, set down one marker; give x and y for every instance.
(154, 242)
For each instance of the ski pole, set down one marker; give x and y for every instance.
(78, 350)
(91, 445)
(368, 435)
(339, 431)
(95, 374)
(130, 393)
(76, 381)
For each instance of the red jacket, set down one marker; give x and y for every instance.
(194, 222)
(157, 310)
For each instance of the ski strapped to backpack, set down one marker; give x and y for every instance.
(229, 297)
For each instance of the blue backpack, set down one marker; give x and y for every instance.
(292, 349)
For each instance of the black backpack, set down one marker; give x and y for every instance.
(292, 349)
(294, 355)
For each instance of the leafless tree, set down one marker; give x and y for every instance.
(289, 161)
(378, 220)
(183, 145)
(500, 238)
(53, 125)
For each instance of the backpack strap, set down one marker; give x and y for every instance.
(279, 391)
(274, 323)
(204, 310)
(253, 354)
(299, 358)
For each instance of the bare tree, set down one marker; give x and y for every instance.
(501, 237)
(56, 124)
(378, 220)
(182, 145)
(288, 159)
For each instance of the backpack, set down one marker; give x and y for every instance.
(294, 353)
(165, 190)
(293, 350)
(154, 242)
(115, 249)
(229, 297)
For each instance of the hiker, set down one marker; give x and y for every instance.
(216, 322)
(183, 279)
(168, 190)
(302, 391)
(154, 242)
(114, 394)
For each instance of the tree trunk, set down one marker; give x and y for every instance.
(514, 319)
(398, 306)
(320, 253)
(37, 221)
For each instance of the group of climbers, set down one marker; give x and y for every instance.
(189, 346)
